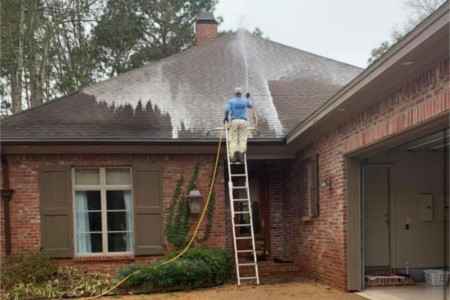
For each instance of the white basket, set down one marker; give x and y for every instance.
(436, 277)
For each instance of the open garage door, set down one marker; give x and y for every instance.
(398, 205)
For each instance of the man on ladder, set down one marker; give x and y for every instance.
(237, 107)
(238, 184)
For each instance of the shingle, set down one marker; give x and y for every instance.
(183, 96)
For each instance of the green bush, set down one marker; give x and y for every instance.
(26, 268)
(198, 267)
(182, 273)
(220, 261)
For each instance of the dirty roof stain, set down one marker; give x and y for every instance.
(192, 87)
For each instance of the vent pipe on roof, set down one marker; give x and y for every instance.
(205, 28)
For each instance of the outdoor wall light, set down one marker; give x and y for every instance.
(195, 201)
(326, 183)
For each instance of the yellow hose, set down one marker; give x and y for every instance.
(193, 236)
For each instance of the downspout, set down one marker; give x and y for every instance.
(6, 194)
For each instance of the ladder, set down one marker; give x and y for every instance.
(236, 171)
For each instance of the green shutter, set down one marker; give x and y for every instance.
(148, 210)
(314, 190)
(56, 211)
(301, 182)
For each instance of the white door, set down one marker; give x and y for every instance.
(376, 216)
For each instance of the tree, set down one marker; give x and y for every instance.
(134, 32)
(12, 37)
(256, 32)
(419, 10)
(53, 47)
(35, 33)
(75, 60)
(118, 35)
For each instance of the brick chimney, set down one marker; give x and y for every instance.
(205, 28)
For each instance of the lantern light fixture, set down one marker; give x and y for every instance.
(195, 201)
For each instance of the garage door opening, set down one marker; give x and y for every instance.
(404, 217)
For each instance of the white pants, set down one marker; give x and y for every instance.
(238, 136)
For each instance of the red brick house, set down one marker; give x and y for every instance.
(337, 173)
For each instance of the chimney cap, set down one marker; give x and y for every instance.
(206, 18)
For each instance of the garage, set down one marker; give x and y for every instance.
(402, 189)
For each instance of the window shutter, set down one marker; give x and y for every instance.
(314, 186)
(301, 182)
(148, 210)
(56, 211)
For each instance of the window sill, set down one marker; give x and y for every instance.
(104, 257)
(306, 218)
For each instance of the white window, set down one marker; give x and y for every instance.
(103, 210)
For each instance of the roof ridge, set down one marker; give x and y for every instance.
(39, 106)
(301, 50)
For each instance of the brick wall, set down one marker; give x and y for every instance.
(319, 245)
(277, 180)
(205, 33)
(25, 220)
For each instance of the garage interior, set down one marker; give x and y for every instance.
(405, 213)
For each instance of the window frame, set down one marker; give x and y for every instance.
(306, 184)
(103, 188)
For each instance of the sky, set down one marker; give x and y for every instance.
(344, 30)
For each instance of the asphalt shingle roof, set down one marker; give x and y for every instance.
(183, 96)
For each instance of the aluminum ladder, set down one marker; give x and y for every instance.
(234, 173)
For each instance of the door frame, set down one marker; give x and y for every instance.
(262, 176)
(391, 207)
(353, 161)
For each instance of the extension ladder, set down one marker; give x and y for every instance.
(236, 171)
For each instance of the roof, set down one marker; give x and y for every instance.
(426, 45)
(181, 97)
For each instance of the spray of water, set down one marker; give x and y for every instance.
(241, 36)
(192, 90)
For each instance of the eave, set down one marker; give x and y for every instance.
(425, 45)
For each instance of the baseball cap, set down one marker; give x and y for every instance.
(238, 90)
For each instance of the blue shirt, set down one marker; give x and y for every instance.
(238, 108)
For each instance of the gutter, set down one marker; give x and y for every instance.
(388, 59)
(177, 142)
(6, 194)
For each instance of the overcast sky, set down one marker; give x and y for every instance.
(345, 30)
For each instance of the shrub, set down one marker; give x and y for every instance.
(220, 261)
(198, 267)
(26, 268)
(32, 291)
(33, 275)
(182, 273)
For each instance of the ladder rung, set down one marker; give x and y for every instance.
(243, 199)
(243, 237)
(243, 251)
(236, 163)
(237, 175)
(242, 225)
(239, 187)
(247, 264)
(241, 212)
(247, 278)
